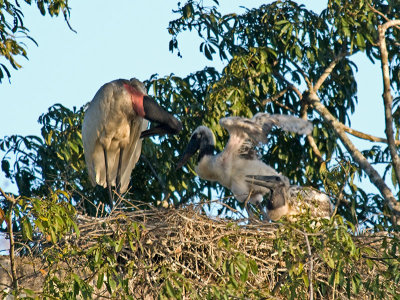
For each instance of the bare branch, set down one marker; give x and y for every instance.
(303, 114)
(366, 136)
(387, 96)
(275, 97)
(373, 175)
(310, 271)
(328, 71)
(381, 14)
(275, 100)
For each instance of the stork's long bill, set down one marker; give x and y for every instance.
(265, 181)
(167, 123)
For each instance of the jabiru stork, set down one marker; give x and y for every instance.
(113, 127)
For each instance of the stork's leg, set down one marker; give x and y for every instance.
(250, 213)
(108, 178)
(263, 213)
(118, 179)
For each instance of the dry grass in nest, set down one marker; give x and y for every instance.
(185, 254)
(210, 253)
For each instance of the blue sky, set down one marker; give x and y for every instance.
(124, 39)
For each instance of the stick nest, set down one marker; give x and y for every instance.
(182, 253)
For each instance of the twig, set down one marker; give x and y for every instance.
(307, 80)
(366, 136)
(310, 271)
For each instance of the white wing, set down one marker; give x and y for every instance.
(245, 134)
(132, 153)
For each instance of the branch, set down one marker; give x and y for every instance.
(328, 71)
(275, 99)
(373, 175)
(382, 15)
(289, 84)
(311, 141)
(307, 80)
(310, 271)
(303, 114)
(366, 136)
(387, 96)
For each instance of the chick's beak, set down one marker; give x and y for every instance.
(191, 149)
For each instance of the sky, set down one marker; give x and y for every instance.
(124, 39)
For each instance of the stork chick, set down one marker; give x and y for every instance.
(113, 127)
(289, 200)
(240, 157)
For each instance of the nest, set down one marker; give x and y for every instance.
(182, 253)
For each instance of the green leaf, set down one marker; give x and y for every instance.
(170, 289)
(100, 280)
(112, 284)
(119, 245)
(360, 41)
(27, 229)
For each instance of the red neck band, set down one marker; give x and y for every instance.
(136, 98)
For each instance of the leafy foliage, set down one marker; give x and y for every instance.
(132, 255)
(12, 28)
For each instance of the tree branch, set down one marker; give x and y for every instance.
(310, 271)
(289, 84)
(303, 114)
(328, 71)
(311, 141)
(387, 96)
(275, 97)
(306, 79)
(366, 136)
(373, 175)
(381, 14)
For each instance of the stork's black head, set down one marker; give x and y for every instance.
(202, 139)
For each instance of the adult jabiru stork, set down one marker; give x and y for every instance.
(289, 200)
(113, 127)
(240, 158)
